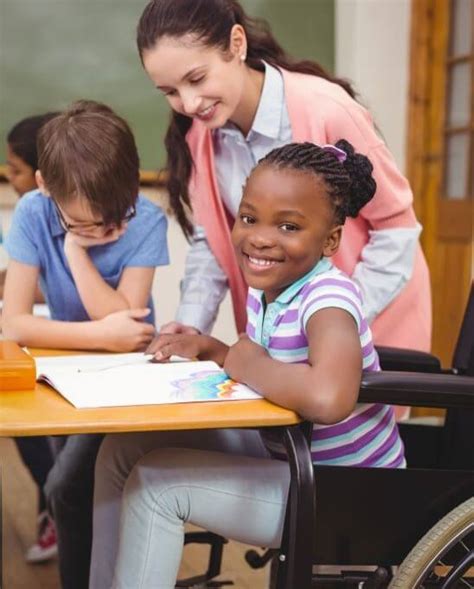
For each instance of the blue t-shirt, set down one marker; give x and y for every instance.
(36, 238)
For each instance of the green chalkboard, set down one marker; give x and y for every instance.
(55, 51)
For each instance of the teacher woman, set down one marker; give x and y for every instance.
(235, 95)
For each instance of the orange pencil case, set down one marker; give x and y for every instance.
(17, 368)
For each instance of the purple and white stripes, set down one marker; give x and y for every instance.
(369, 436)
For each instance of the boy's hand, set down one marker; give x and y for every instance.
(203, 347)
(175, 327)
(85, 242)
(241, 356)
(125, 331)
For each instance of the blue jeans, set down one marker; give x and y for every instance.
(69, 491)
(38, 457)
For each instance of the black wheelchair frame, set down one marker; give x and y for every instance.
(375, 516)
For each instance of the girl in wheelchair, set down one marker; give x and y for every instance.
(306, 345)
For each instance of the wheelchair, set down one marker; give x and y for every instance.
(406, 528)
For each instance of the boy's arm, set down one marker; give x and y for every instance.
(121, 331)
(323, 391)
(39, 298)
(3, 273)
(100, 299)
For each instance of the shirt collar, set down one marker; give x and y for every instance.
(291, 291)
(267, 121)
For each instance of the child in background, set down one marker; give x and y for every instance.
(35, 451)
(93, 243)
(22, 162)
(305, 320)
(22, 155)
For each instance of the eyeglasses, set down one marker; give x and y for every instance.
(74, 227)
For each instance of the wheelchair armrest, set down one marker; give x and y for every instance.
(406, 360)
(417, 389)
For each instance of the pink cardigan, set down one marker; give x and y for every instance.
(322, 112)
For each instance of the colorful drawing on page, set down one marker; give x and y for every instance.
(206, 385)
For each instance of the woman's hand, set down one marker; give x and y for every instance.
(203, 347)
(241, 357)
(125, 331)
(175, 327)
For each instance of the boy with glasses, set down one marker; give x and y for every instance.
(94, 244)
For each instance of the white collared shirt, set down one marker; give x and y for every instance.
(235, 155)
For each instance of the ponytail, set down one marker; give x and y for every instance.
(262, 45)
(179, 164)
(362, 185)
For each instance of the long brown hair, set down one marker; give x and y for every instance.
(211, 22)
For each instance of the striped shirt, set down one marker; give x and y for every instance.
(369, 436)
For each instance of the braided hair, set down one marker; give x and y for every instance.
(350, 183)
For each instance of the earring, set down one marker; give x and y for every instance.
(243, 57)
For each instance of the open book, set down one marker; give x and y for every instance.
(115, 380)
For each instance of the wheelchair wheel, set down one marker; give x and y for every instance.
(444, 557)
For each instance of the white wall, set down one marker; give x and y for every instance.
(372, 51)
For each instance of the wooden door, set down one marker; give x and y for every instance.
(440, 155)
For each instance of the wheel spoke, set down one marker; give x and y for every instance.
(443, 558)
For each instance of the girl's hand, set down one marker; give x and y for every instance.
(175, 327)
(240, 356)
(125, 331)
(85, 242)
(203, 347)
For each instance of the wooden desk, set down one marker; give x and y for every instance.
(43, 411)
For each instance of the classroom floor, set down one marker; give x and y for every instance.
(19, 513)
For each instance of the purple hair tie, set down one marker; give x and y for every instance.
(340, 154)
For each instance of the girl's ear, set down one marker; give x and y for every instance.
(238, 42)
(331, 245)
(40, 182)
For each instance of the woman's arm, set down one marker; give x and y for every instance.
(203, 287)
(119, 332)
(323, 391)
(386, 266)
(388, 258)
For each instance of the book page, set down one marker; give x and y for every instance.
(114, 380)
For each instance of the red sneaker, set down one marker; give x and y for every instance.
(46, 546)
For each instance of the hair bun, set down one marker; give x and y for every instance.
(362, 184)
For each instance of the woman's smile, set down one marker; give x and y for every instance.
(208, 113)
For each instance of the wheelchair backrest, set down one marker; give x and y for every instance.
(463, 359)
